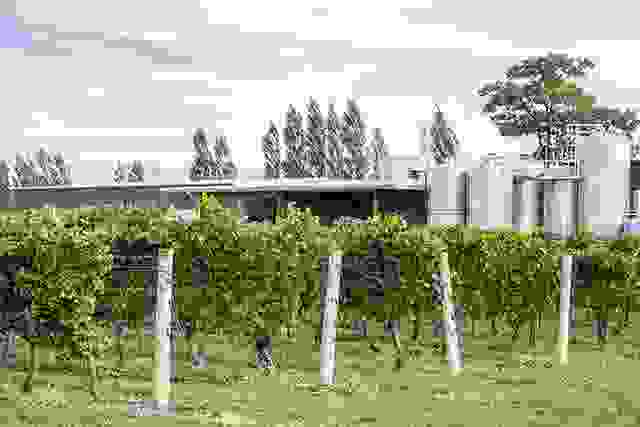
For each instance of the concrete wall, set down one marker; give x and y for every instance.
(491, 197)
(67, 198)
(527, 203)
(606, 188)
(449, 195)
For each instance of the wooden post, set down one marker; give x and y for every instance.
(147, 257)
(565, 300)
(162, 361)
(453, 340)
(330, 291)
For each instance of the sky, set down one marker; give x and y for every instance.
(125, 80)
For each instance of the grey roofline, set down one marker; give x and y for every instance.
(286, 184)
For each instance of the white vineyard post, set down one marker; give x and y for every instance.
(565, 302)
(453, 348)
(162, 361)
(331, 287)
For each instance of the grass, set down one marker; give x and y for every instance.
(501, 384)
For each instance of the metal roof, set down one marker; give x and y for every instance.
(284, 184)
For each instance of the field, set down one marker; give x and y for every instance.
(501, 385)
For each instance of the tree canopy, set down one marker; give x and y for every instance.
(128, 171)
(331, 147)
(444, 140)
(42, 168)
(271, 151)
(539, 96)
(209, 164)
(354, 141)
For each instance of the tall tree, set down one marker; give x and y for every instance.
(208, 163)
(28, 171)
(316, 140)
(354, 140)
(294, 166)
(8, 175)
(128, 171)
(224, 166)
(537, 98)
(62, 168)
(120, 172)
(271, 150)
(444, 141)
(41, 168)
(203, 165)
(377, 152)
(335, 149)
(137, 171)
(43, 161)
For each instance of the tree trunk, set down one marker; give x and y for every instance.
(399, 362)
(515, 334)
(540, 320)
(196, 342)
(120, 348)
(418, 323)
(515, 325)
(627, 311)
(92, 375)
(27, 386)
(52, 356)
(141, 339)
(474, 327)
(8, 347)
(494, 327)
(588, 311)
(601, 329)
(533, 323)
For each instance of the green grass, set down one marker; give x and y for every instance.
(501, 384)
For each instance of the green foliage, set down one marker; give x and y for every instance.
(222, 154)
(539, 98)
(271, 152)
(315, 140)
(70, 266)
(386, 226)
(293, 137)
(262, 277)
(378, 152)
(43, 168)
(444, 141)
(335, 160)
(333, 148)
(128, 172)
(211, 164)
(354, 141)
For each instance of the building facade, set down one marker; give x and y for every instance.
(327, 199)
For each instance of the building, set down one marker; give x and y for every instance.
(456, 195)
(326, 198)
(250, 193)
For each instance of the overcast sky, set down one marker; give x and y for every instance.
(126, 79)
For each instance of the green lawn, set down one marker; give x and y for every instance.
(501, 385)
